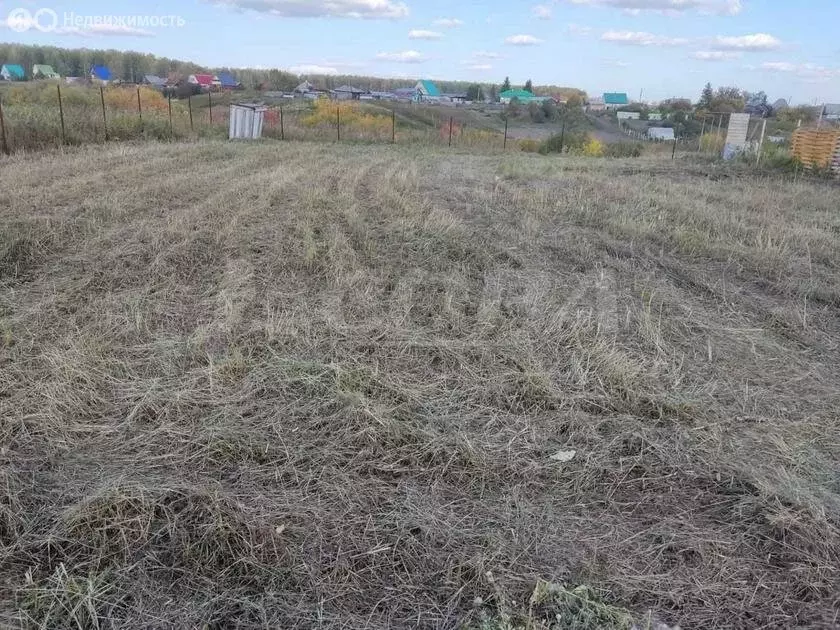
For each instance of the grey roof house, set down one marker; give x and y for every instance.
(154, 81)
(831, 111)
(406, 94)
(304, 87)
(347, 93)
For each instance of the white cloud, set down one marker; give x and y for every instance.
(449, 22)
(812, 71)
(809, 72)
(522, 40)
(756, 42)
(421, 34)
(719, 48)
(103, 30)
(779, 66)
(542, 11)
(715, 55)
(483, 54)
(367, 9)
(640, 38)
(577, 29)
(406, 56)
(313, 69)
(721, 7)
(478, 61)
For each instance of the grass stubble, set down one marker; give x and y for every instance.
(344, 386)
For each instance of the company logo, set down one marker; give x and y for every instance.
(21, 20)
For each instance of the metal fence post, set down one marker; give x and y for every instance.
(562, 137)
(104, 117)
(5, 144)
(189, 105)
(393, 126)
(674, 151)
(282, 126)
(450, 131)
(504, 145)
(761, 143)
(210, 101)
(338, 122)
(61, 116)
(140, 111)
(171, 130)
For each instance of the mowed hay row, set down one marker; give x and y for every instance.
(351, 386)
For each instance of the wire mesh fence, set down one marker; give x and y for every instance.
(53, 115)
(46, 115)
(50, 115)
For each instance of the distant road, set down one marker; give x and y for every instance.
(602, 129)
(607, 131)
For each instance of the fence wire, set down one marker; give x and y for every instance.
(50, 115)
(56, 115)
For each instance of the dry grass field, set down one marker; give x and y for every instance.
(302, 385)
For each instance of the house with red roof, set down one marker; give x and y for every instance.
(204, 81)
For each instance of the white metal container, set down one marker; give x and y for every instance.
(246, 121)
(736, 135)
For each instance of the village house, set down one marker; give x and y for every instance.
(347, 93)
(43, 71)
(615, 100)
(427, 91)
(12, 72)
(100, 74)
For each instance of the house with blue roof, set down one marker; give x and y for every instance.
(100, 73)
(428, 91)
(228, 82)
(12, 72)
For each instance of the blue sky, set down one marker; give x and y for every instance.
(661, 47)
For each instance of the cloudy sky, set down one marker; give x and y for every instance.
(661, 47)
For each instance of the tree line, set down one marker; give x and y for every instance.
(128, 66)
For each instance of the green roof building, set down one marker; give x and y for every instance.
(428, 89)
(12, 72)
(43, 71)
(614, 100)
(523, 96)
